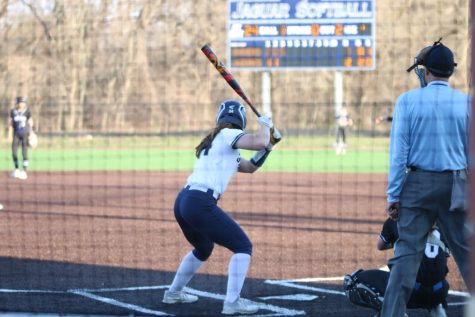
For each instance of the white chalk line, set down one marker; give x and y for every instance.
(122, 289)
(117, 303)
(280, 311)
(458, 293)
(295, 297)
(40, 291)
(315, 279)
(291, 283)
(287, 283)
(88, 293)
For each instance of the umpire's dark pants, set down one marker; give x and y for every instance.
(203, 223)
(17, 139)
(425, 198)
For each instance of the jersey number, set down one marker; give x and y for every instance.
(432, 250)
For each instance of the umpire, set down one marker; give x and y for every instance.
(427, 172)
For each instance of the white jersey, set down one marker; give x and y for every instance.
(217, 165)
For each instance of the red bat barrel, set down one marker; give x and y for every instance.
(213, 58)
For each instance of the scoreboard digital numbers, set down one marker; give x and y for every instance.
(296, 34)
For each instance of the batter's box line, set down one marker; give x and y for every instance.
(89, 293)
(277, 310)
(292, 284)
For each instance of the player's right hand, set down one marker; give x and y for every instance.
(275, 136)
(265, 120)
(393, 210)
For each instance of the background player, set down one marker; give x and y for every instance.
(343, 121)
(203, 223)
(19, 126)
(366, 288)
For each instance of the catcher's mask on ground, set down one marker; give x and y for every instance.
(361, 294)
(232, 111)
(437, 58)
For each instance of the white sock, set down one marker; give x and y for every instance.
(188, 267)
(237, 271)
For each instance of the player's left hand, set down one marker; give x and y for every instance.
(393, 210)
(32, 140)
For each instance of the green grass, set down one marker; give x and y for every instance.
(296, 154)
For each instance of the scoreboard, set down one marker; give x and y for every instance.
(296, 34)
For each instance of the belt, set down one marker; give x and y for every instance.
(204, 189)
(435, 287)
(417, 169)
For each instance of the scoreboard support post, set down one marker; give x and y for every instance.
(266, 93)
(338, 91)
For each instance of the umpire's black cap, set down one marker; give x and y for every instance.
(20, 99)
(440, 61)
(437, 58)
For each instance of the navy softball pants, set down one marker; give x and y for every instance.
(203, 223)
(17, 139)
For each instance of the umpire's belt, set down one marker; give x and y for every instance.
(417, 169)
(204, 189)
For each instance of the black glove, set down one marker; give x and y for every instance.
(393, 210)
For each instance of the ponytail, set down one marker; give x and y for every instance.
(205, 144)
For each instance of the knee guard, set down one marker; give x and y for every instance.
(361, 294)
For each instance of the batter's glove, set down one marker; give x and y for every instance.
(275, 136)
(265, 120)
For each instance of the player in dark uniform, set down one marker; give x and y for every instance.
(20, 125)
(366, 288)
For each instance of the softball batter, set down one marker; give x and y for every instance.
(204, 223)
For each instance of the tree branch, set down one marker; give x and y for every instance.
(40, 20)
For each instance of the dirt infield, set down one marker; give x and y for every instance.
(107, 243)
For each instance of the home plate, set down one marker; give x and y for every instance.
(296, 297)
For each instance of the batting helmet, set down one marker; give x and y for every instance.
(232, 111)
